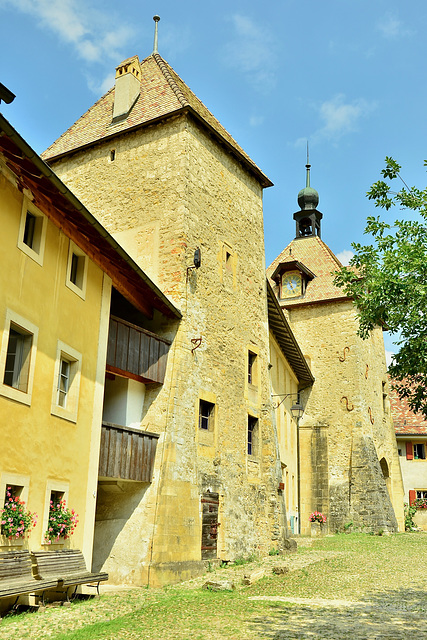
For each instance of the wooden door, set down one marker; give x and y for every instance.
(210, 524)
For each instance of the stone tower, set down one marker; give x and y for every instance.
(168, 181)
(349, 464)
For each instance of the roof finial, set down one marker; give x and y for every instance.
(307, 166)
(156, 20)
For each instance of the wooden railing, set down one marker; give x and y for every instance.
(126, 454)
(135, 352)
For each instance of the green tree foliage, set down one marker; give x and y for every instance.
(388, 282)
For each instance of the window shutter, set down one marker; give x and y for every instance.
(409, 451)
(412, 497)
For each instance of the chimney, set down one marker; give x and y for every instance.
(128, 87)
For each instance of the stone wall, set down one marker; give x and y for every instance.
(171, 189)
(348, 399)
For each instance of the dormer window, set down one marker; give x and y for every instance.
(292, 278)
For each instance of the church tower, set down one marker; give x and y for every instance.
(348, 457)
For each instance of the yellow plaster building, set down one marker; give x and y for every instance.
(61, 273)
(349, 464)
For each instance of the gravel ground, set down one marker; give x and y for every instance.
(390, 604)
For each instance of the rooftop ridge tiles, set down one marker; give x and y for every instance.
(164, 68)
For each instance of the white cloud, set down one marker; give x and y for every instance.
(338, 118)
(94, 36)
(345, 256)
(252, 52)
(391, 27)
(99, 88)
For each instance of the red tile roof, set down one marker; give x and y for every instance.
(314, 254)
(406, 422)
(163, 94)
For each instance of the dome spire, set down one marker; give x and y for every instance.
(308, 218)
(308, 198)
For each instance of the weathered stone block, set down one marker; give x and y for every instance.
(280, 569)
(226, 585)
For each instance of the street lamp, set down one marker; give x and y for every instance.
(297, 411)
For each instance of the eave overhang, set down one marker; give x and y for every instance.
(292, 265)
(189, 111)
(62, 207)
(287, 341)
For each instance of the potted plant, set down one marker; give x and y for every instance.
(61, 522)
(16, 520)
(318, 520)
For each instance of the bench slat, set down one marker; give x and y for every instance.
(67, 565)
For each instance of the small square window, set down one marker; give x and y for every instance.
(419, 452)
(252, 367)
(18, 358)
(29, 230)
(32, 232)
(63, 382)
(65, 395)
(206, 415)
(252, 435)
(77, 270)
(56, 492)
(12, 492)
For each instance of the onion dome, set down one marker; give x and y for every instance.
(308, 198)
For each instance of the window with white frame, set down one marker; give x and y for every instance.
(65, 395)
(419, 451)
(77, 270)
(421, 494)
(17, 358)
(55, 492)
(32, 231)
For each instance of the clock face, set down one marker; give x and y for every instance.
(291, 285)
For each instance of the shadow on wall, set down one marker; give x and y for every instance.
(116, 530)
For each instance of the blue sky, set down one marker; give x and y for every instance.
(346, 76)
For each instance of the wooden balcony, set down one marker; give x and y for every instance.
(136, 353)
(126, 454)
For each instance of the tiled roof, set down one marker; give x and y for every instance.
(405, 421)
(314, 254)
(287, 341)
(163, 93)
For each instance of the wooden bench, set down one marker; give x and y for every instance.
(67, 567)
(16, 577)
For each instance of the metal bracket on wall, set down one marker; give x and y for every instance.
(349, 405)
(371, 417)
(342, 358)
(197, 342)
